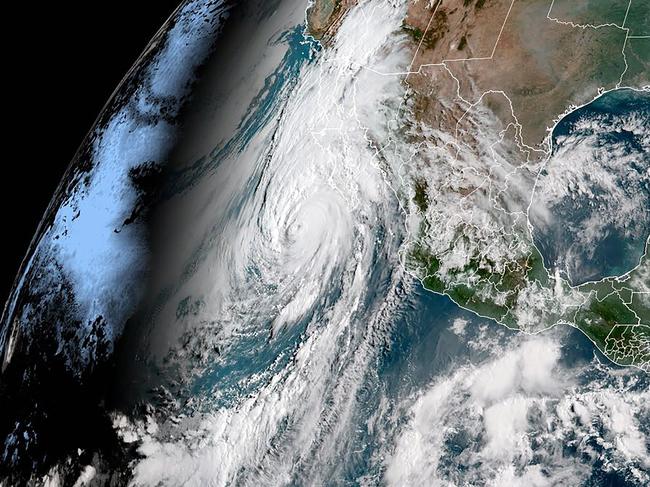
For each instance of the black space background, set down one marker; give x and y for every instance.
(62, 64)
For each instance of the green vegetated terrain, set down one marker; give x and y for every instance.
(611, 312)
(637, 55)
(617, 316)
(590, 12)
(638, 18)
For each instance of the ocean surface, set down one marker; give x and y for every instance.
(595, 188)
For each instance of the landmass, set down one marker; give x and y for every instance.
(324, 16)
(526, 63)
(488, 82)
(535, 52)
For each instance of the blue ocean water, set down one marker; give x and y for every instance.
(422, 349)
(256, 351)
(602, 124)
(301, 50)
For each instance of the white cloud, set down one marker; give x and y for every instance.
(87, 475)
(508, 420)
(458, 326)
(295, 255)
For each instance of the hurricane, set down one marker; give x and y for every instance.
(300, 221)
(354, 268)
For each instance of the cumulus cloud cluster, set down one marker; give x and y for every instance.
(595, 188)
(523, 418)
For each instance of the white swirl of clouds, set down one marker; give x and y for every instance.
(297, 255)
(277, 308)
